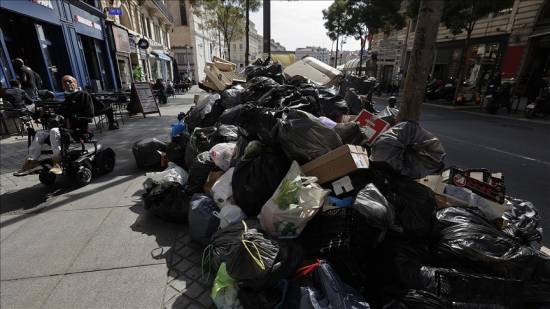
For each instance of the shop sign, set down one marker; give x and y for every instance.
(46, 3)
(87, 22)
(143, 44)
(114, 11)
(122, 41)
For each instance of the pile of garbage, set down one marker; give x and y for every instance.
(302, 199)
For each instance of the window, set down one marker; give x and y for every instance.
(157, 33)
(149, 32)
(165, 37)
(502, 12)
(241, 46)
(183, 13)
(143, 27)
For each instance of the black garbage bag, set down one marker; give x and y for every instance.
(198, 113)
(374, 208)
(414, 203)
(289, 258)
(354, 101)
(416, 299)
(265, 68)
(175, 151)
(351, 133)
(465, 238)
(303, 137)
(168, 201)
(523, 222)
(265, 299)
(410, 150)
(333, 107)
(231, 97)
(198, 173)
(257, 87)
(325, 290)
(258, 122)
(146, 152)
(203, 139)
(408, 260)
(256, 178)
(247, 253)
(202, 221)
(389, 115)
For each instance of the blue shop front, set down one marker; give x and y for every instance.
(55, 38)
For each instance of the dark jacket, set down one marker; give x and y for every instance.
(17, 97)
(77, 104)
(26, 77)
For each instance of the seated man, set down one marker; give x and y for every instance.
(77, 104)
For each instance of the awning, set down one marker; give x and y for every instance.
(161, 55)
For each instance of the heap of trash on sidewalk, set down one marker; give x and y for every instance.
(304, 196)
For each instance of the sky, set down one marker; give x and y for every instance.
(299, 24)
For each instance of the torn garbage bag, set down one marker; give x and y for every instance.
(303, 137)
(257, 174)
(295, 202)
(410, 150)
(202, 221)
(466, 238)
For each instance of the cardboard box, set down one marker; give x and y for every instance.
(374, 126)
(337, 163)
(480, 182)
(315, 70)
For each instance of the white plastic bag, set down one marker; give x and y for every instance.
(221, 154)
(229, 214)
(222, 192)
(173, 173)
(296, 200)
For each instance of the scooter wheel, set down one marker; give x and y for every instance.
(83, 176)
(104, 161)
(46, 177)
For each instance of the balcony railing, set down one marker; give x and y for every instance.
(162, 7)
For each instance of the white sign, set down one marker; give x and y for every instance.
(87, 22)
(46, 3)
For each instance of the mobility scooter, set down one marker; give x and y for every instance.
(81, 156)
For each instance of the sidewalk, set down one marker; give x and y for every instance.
(95, 247)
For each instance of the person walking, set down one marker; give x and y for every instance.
(26, 76)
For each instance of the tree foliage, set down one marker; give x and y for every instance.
(225, 16)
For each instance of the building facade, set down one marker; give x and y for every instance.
(193, 43)
(140, 40)
(55, 38)
(238, 47)
(318, 53)
(498, 45)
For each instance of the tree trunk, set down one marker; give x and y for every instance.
(421, 59)
(464, 62)
(336, 55)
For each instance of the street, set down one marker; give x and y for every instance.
(518, 149)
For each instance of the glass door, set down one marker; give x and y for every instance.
(7, 73)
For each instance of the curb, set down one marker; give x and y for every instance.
(453, 107)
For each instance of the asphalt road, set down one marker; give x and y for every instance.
(518, 149)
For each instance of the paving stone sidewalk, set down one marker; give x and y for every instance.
(95, 246)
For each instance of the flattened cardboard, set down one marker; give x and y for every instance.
(337, 163)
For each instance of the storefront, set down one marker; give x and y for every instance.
(485, 58)
(536, 71)
(161, 66)
(54, 38)
(122, 52)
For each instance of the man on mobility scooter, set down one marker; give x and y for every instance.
(77, 111)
